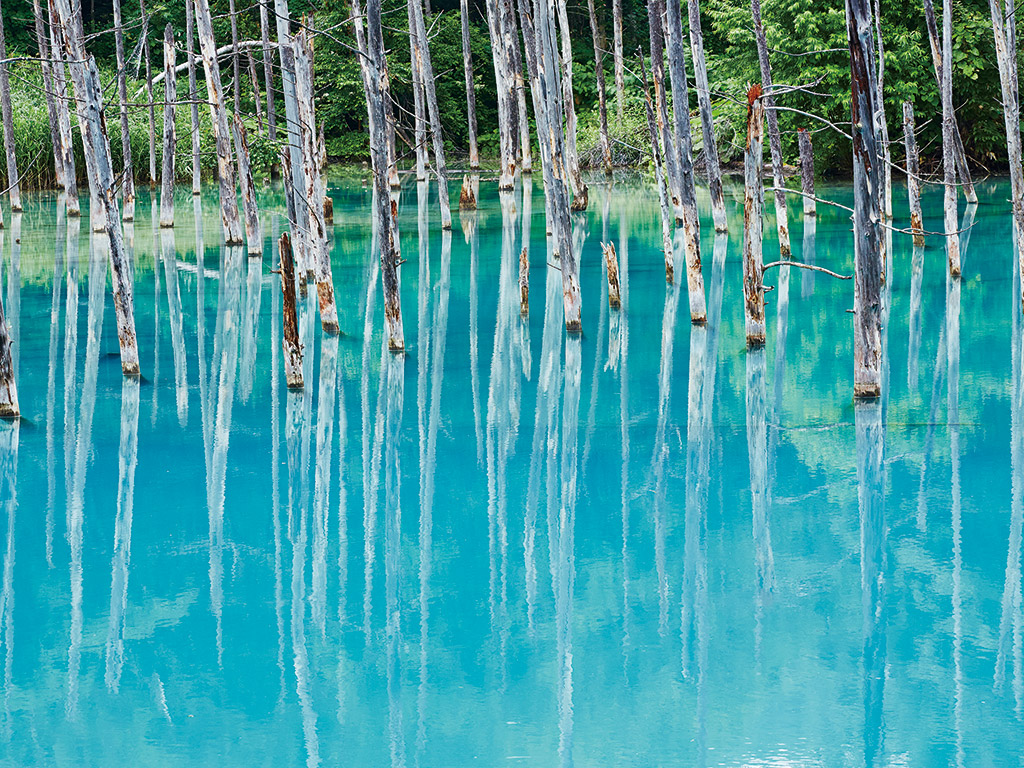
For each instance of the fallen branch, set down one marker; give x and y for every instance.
(807, 266)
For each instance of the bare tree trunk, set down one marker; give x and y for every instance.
(319, 249)
(867, 334)
(128, 189)
(386, 210)
(684, 161)
(707, 124)
(1004, 31)
(236, 64)
(467, 55)
(268, 72)
(43, 42)
(753, 205)
(170, 135)
(292, 347)
(579, 189)
(253, 229)
(602, 108)
(525, 149)
(807, 171)
(774, 139)
(149, 92)
(65, 149)
(659, 176)
(9, 408)
(419, 108)
(255, 88)
(948, 129)
(221, 132)
(13, 180)
(962, 169)
(883, 124)
(497, 24)
(193, 95)
(611, 266)
(427, 70)
(913, 174)
(620, 77)
(524, 282)
(88, 93)
(655, 17)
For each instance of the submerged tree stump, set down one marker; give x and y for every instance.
(753, 204)
(9, 408)
(291, 344)
(611, 266)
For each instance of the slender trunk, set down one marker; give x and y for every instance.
(319, 250)
(707, 124)
(524, 282)
(385, 210)
(659, 176)
(684, 161)
(882, 121)
(774, 139)
(497, 24)
(807, 171)
(579, 189)
(467, 57)
(255, 88)
(236, 64)
(620, 69)
(525, 149)
(913, 174)
(221, 132)
(268, 73)
(611, 267)
(655, 18)
(170, 136)
(867, 335)
(253, 229)
(88, 97)
(43, 41)
(9, 408)
(419, 108)
(290, 338)
(948, 129)
(149, 92)
(962, 169)
(13, 180)
(65, 149)
(128, 189)
(434, 113)
(193, 95)
(602, 108)
(753, 204)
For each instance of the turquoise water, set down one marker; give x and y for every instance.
(645, 546)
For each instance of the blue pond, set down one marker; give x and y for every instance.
(641, 546)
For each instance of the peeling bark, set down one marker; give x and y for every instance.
(170, 134)
(659, 176)
(253, 228)
(707, 124)
(753, 204)
(290, 342)
(524, 282)
(467, 55)
(913, 174)
(620, 76)
(611, 267)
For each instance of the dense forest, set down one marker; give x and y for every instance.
(807, 40)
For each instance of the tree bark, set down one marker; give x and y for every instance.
(236, 64)
(170, 135)
(419, 108)
(497, 25)
(807, 171)
(290, 342)
(580, 192)
(525, 152)
(65, 149)
(128, 188)
(193, 95)
(524, 282)
(655, 18)
(255, 88)
(684, 161)
(707, 124)
(753, 204)
(13, 180)
(43, 42)
(948, 129)
(611, 267)
(774, 139)
(149, 92)
(659, 175)
(602, 108)
(253, 228)
(221, 132)
(9, 408)
(867, 335)
(913, 174)
(882, 121)
(268, 72)
(467, 56)
(620, 76)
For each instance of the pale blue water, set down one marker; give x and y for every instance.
(645, 547)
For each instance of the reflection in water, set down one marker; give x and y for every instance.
(12, 304)
(170, 260)
(470, 222)
(953, 410)
(9, 438)
(757, 455)
(914, 347)
(809, 256)
(51, 379)
(395, 389)
(250, 326)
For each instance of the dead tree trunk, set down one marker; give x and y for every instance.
(221, 132)
(319, 249)
(51, 105)
(149, 91)
(602, 108)
(684, 161)
(707, 124)
(88, 97)
(268, 72)
(255, 88)
(386, 210)
(65, 149)
(497, 25)
(525, 150)
(170, 134)
(9, 408)
(524, 282)
(655, 18)
(419, 108)
(867, 334)
(580, 192)
(807, 171)
(193, 95)
(883, 124)
(467, 57)
(659, 176)
(753, 204)
(253, 229)
(962, 169)
(236, 68)
(948, 129)
(1004, 30)
(774, 139)
(913, 174)
(291, 345)
(611, 267)
(430, 94)
(128, 188)
(620, 70)
(13, 180)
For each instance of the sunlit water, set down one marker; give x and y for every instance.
(647, 546)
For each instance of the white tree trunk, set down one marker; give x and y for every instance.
(753, 204)
(707, 124)
(253, 228)
(948, 129)
(913, 174)
(193, 95)
(170, 134)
